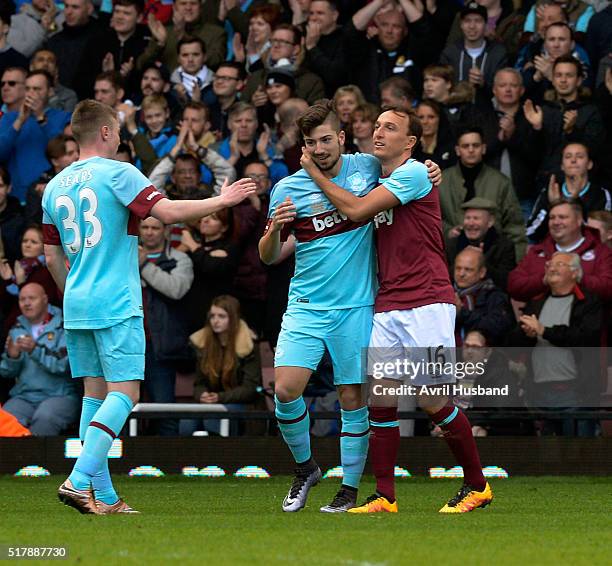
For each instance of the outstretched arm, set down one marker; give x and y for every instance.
(172, 211)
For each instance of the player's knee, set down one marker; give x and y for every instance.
(350, 397)
(285, 393)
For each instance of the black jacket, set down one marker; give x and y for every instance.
(588, 129)
(372, 64)
(500, 257)
(69, 48)
(522, 147)
(213, 276)
(329, 60)
(491, 313)
(12, 226)
(106, 41)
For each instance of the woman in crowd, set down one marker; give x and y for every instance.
(361, 126)
(346, 99)
(31, 268)
(437, 142)
(261, 23)
(228, 367)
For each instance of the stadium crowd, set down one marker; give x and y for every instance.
(515, 100)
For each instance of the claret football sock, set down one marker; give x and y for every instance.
(103, 428)
(101, 481)
(384, 445)
(354, 445)
(458, 435)
(294, 424)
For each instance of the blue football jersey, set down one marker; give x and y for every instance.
(92, 208)
(335, 264)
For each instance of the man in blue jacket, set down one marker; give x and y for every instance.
(44, 398)
(24, 134)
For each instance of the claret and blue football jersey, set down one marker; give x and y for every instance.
(335, 265)
(92, 208)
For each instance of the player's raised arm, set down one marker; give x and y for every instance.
(172, 211)
(356, 208)
(270, 245)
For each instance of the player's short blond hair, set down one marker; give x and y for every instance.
(87, 119)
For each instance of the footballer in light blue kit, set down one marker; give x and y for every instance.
(91, 213)
(331, 298)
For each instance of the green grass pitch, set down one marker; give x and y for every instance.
(544, 520)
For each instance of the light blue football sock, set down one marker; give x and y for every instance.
(354, 445)
(102, 483)
(294, 424)
(105, 425)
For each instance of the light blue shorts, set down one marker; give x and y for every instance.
(306, 333)
(116, 353)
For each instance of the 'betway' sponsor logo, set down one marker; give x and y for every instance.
(328, 221)
(384, 217)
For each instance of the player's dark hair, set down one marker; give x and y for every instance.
(569, 60)
(470, 129)
(88, 117)
(321, 112)
(188, 39)
(414, 124)
(575, 204)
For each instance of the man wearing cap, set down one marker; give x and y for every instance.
(470, 178)
(478, 231)
(474, 58)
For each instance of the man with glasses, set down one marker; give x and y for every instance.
(567, 316)
(13, 89)
(24, 134)
(227, 84)
(285, 54)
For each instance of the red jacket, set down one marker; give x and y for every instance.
(525, 282)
